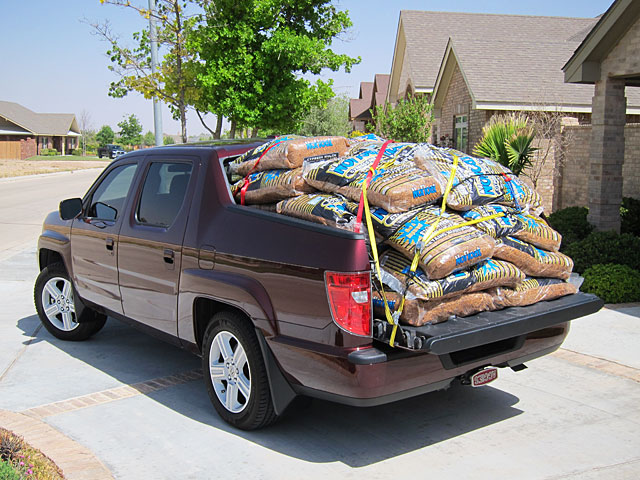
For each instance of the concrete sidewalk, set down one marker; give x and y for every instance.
(140, 407)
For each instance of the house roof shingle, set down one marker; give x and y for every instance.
(38, 123)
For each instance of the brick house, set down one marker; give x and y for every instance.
(371, 95)
(24, 133)
(495, 64)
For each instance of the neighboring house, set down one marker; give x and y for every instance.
(473, 66)
(609, 58)
(24, 133)
(372, 94)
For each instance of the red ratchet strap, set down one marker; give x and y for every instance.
(367, 180)
(245, 185)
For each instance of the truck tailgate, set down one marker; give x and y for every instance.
(462, 333)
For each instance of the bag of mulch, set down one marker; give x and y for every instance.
(266, 207)
(537, 232)
(533, 261)
(271, 186)
(252, 155)
(289, 153)
(364, 142)
(384, 223)
(477, 181)
(446, 252)
(396, 185)
(532, 290)
(396, 274)
(322, 208)
(507, 224)
(419, 312)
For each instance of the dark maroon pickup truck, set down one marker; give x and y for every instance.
(277, 307)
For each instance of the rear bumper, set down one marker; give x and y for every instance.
(381, 374)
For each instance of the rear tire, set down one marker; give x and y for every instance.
(235, 374)
(55, 304)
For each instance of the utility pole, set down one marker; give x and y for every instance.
(153, 35)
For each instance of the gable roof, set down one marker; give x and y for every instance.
(38, 123)
(380, 87)
(359, 107)
(584, 64)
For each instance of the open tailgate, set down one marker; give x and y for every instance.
(461, 333)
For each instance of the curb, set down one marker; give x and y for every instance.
(76, 461)
(52, 174)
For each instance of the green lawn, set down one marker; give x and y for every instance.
(68, 158)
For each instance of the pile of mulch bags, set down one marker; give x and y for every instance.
(458, 235)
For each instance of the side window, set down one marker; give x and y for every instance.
(108, 199)
(165, 187)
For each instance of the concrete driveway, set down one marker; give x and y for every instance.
(133, 407)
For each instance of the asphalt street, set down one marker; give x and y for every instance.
(139, 406)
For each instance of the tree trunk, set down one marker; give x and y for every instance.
(183, 122)
(218, 133)
(254, 132)
(232, 132)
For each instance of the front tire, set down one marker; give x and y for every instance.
(235, 374)
(55, 304)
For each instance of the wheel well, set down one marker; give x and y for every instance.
(46, 257)
(204, 309)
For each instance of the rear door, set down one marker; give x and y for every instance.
(94, 237)
(150, 250)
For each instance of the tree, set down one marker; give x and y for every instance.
(409, 121)
(149, 139)
(130, 131)
(508, 139)
(333, 120)
(252, 57)
(174, 81)
(85, 125)
(105, 135)
(168, 140)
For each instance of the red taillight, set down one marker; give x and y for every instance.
(350, 301)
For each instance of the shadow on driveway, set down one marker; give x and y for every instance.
(316, 431)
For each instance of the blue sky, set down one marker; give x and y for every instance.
(52, 63)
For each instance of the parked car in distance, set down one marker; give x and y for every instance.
(111, 151)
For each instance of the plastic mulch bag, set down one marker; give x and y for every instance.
(532, 290)
(321, 208)
(533, 261)
(271, 186)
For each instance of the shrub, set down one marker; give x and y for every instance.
(605, 247)
(409, 121)
(7, 472)
(612, 283)
(49, 152)
(77, 151)
(572, 224)
(630, 216)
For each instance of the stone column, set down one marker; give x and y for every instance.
(607, 154)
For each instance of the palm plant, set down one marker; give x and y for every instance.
(508, 140)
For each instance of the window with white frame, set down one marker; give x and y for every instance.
(461, 132)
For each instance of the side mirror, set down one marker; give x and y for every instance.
(70, 208)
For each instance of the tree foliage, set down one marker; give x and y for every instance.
(409, 121)
(105, 135)
(174, 81)
(508, 140)
(253, 56)
(130, 132)
(332, 120)
(149, 139)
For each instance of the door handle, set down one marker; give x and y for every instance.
(109, 243)
(169, 256)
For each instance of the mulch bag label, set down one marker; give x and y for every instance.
(508, 224)
(271, 186)
(477, 181)
(532, 290)
(320, 208)
(446, 252)
(290, 153)
(533, 261)
(397, 184)
(396, 273)
(384, 223)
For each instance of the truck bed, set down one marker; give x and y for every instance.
(507, 325)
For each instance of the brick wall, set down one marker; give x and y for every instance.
(624, 58)
(458, 102)
(27, 147)
(573, 185)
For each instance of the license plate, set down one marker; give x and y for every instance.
(483, 377)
